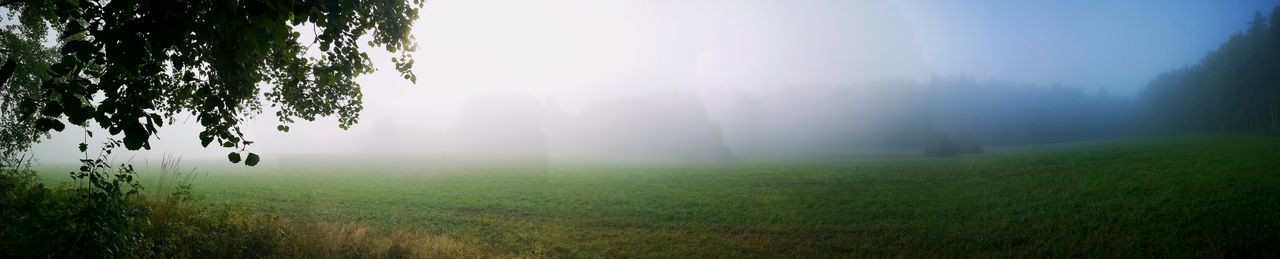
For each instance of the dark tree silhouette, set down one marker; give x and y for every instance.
(129, 66)
(1234, 89)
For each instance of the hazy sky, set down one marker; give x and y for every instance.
(1116, 45)
(564, 44)
(569, 52)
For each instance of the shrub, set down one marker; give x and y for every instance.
(947, 146)
(96, 217)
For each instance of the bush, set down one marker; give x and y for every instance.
(97, 217)
(29, 212)
(947, 146)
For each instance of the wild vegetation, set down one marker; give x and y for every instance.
(106, 213)
(128, 68)
(1150, 197)
(125, 69)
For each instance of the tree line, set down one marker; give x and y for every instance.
(909, 115)
(1233, 89)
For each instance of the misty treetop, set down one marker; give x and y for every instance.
(21, 38)
(129, 66)
(898, 117)
(1234, 89)
(911, 115)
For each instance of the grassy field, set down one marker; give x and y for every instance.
(1201, 197)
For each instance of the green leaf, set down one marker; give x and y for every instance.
(46, 124)
(27, 107)
(234, 157)
(84, 147)
(51, 109)
(58, 126)
(205, 139)
(135, 136)
(59, 69)
(252, 160)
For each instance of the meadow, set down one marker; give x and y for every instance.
(1148, 197)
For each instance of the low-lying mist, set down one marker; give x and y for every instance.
(884, 116)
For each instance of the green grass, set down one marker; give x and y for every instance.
(1185, 197)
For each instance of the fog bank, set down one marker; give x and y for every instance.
(724, 80)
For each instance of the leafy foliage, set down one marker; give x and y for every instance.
(95, 217)
(26, 25)
(105, 215)
(132, 66)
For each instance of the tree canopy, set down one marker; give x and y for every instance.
(21, 38)
(130, 66)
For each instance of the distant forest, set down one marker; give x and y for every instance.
(1234, 89)
(907, 115)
